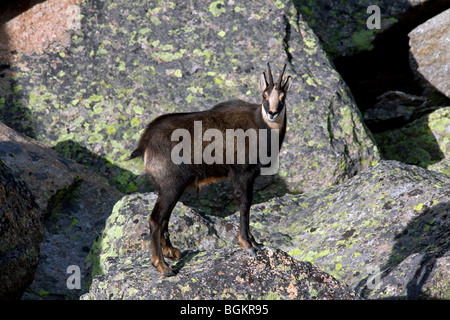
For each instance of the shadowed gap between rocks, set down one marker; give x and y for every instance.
(387, 68)
(416, 146)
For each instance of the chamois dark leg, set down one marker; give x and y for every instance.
(159, 218)
(242, 185)
(167, 249)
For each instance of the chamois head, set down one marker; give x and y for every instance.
(274, 96)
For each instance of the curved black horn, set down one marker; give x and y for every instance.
(280, 79)
(270, 76)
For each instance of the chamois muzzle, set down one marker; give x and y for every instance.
(272, 116)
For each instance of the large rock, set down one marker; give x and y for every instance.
(73, 205)
(46, 173)
(384, 233)
(220, 274)
(129, 63)
(211, 268)
(21, 232)
(390, 222)
(430, 53)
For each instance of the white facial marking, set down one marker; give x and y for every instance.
(273, 100)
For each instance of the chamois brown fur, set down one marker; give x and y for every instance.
(170, 179)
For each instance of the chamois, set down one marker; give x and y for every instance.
(157, 143)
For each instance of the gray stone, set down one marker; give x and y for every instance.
(430, 53)
(21, 232)
(384, 233)
(227, 273)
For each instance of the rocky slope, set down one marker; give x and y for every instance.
(388, 225)
(337, 221)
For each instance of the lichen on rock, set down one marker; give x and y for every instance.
(129, 64)
(424, 142)
(369, 226)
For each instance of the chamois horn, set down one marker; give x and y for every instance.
(270, 75)
(280, 79)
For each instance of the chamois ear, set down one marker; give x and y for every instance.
(263, 82)
(287, 84)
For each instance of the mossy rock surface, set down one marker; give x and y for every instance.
(378, 232)
(424, 142)
(131, 62)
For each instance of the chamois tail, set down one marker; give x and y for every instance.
(136, 153)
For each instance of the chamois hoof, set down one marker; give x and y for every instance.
(164, 270)
(251, 251)
(257, 246)
(169, 273)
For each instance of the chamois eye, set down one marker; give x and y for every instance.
(266, 95)
(281, 96)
